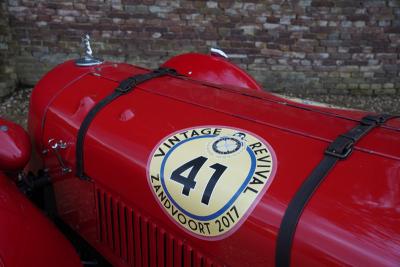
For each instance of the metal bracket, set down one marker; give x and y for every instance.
(55, 147)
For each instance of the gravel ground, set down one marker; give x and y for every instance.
(379, 104)
(15, 107)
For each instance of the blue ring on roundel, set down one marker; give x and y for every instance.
(228, 204)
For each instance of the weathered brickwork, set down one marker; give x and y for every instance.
(8, 75)
(325, 46)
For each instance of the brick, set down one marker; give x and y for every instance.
(322, 3)
(376, 86)
(359, 24)
(371, 68)
(360, 91)
(271, 52)
(160, 9)
(383, 56)
(352, 43)
(273, 19)
(212, 4)
(250, 29)
(349, 68)
(388, 86)
(281, 68)
(286, 19)
(392, 30)
(137, 9)
(346, 23)
(67, 12)
(368, 74)
(297, 55)
(271, 26)
(338, 91)
(365, 86)
(296, 28)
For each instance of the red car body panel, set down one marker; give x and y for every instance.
(28, 238)
(15, 148)
(352, 219)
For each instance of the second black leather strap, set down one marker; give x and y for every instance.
(339, 149)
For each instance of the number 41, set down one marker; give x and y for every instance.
(189, 181)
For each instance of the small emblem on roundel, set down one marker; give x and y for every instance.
(209, 179)
(226, 145)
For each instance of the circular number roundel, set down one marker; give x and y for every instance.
(208, 179)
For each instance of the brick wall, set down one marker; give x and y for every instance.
(8, 75)
(324, 46)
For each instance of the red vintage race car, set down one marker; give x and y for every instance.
(193, 164)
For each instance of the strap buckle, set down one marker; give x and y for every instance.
(341, 147)
(375, 119)
(164, 71)
(126, 85)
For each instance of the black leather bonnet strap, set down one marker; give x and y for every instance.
(339, 149)
(124, 87)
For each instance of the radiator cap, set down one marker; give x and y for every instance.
(88, 60)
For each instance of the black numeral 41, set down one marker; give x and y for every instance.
(189, 182)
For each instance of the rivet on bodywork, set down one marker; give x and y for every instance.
(85, 104)
(126, 115)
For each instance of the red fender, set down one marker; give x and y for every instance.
(213, 69)
(15, 146)
(28, 238)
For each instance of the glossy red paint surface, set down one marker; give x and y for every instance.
(15, 146)
(28, 238)
(49, 86)
(353, 218)
(212, 69)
